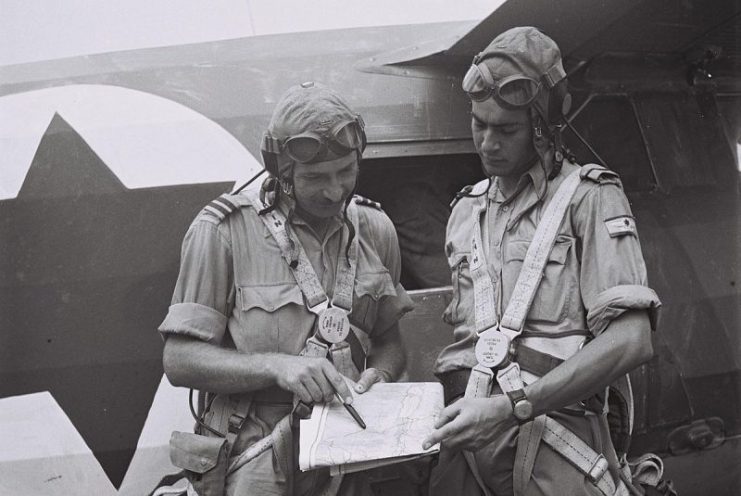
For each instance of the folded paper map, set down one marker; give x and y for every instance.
(398, 416)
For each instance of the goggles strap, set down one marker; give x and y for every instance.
(554, 75)
(270, 144)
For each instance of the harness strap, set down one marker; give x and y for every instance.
(528, 442)
(484, 295)
(536, 362)
(479, 382)
(537, 255)
(303, 272)
(509, 378)
(592, 464)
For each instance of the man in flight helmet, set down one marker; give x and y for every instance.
(550, 300)
(281, 293)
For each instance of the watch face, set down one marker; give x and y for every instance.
(523, 410)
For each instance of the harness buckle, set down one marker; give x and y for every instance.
(235, 423)
(598, 469)
(320, 307)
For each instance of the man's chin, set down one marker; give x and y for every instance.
(326, 212)
(494, 169)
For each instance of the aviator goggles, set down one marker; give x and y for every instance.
(512, 92)
(311, 146)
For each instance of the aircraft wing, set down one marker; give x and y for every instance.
(583, 30)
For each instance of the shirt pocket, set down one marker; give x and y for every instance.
(460, 306)
(271, 317)
(553, 296)
(370, 288)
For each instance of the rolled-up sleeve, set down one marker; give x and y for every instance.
(613, 273)
(204, 292)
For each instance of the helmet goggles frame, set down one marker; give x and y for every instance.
(512, 92)
(314, 146)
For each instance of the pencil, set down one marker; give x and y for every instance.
(352, 411)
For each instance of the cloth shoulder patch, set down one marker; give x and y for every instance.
(366, 202)
(620, 226)
(599, 174)
(220, 208)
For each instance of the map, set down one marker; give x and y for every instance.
(398, 417)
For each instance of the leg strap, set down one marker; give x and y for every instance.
(528, 442)
(592, 464)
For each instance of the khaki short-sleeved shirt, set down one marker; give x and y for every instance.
(594, 273)
(235, 287)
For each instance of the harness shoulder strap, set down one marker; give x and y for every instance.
(537, 255)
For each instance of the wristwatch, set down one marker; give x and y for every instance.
(522, 409)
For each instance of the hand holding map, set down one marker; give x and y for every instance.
(398, 417)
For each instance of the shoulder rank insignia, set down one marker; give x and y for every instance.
(361, 200)
(220, 208)
(598, 174)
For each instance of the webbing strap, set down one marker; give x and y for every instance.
(509, 378)
(484, 296)
(479, 382)
(341, 356)
(528, 280)
(303, 272)
(528, 442)
(592, 464)
(537, 255)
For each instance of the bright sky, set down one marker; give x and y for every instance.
(34, 30)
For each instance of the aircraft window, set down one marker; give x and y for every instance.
(609, 125)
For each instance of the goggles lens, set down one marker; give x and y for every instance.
(512, 92)
(519, 92)
(311, 146)
(303, 148)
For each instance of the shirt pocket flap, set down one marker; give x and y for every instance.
(194, 452)
(375, 285)
(456, 258)
(269, 298)
(517, 250)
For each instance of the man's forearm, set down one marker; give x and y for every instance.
(199, 365)
(625, 344)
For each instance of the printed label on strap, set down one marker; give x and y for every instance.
(491, 348)
(484, 297)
